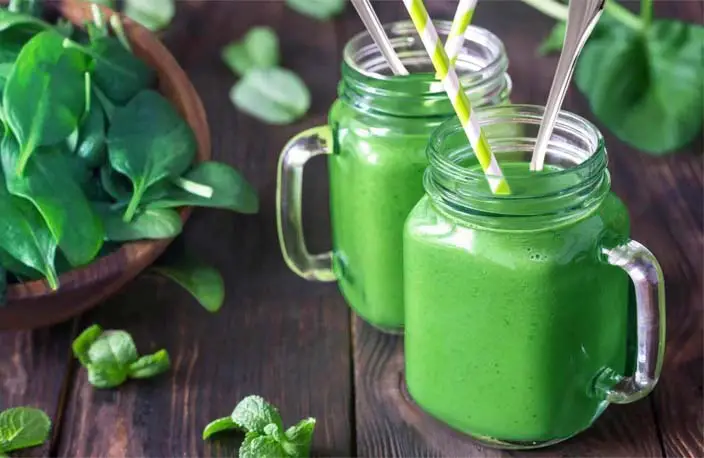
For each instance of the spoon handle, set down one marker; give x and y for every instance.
(376, 30)
(582, 17)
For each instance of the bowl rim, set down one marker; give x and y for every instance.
(146, 45)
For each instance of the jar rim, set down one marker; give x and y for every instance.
(403, 32)
(520, 113)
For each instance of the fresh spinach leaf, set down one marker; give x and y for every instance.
(274, 95)
(150, 366)
(318, 9)
(91, 142)
(44, 96)
(10, 19)
(116, 71)
(148, 141)
(230, 190)
(258, 49)
(18, 269)
(25, 237)
(23, 427)
(647, 87)
(119, 188)
(30, 7)
(203, 282)
(152, 14)
(146, 225)
(49, 184)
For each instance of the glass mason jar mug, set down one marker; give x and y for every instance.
(517, 307)
(375, 141)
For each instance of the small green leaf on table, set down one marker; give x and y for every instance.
(152, 14)
(258, 49)
(148, 141)
(44, 96)
(203, 282)
(274, 95)
(318, 9)
(111, 357)
(84, 341)
(23, 427)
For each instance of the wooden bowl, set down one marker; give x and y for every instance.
(33, 304)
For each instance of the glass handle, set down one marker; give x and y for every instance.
(294, 156)
(646, 274)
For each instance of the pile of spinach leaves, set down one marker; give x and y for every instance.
(91, 156)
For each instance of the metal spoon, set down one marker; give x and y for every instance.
(376, 30)
(581, 19)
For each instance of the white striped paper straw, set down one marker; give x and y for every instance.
(463, 17)
(460, 102)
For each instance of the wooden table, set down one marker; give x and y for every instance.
(295, 342)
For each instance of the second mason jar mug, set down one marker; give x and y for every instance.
(375, 140)
(517, 306)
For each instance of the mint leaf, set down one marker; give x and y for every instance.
(218, 426)
(257, 446)
(113, 348)
(253, 413)
(203, 282)
(273, 95)
(301, 436)
(318, 9)
(258, 49)
(150, 365)
(84, 341)
(106, 376)
(23, 427)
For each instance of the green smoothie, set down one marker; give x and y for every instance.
(507, 329)
(375, 180)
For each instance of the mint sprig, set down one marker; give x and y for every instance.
(263, 428)
(111, 358)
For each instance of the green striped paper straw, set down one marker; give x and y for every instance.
(468, 120)
(463, 17)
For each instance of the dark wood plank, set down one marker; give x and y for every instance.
(678, 201)
(388, 423)
(34, 371)
(277, 335)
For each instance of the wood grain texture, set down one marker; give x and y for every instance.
(277, 335)
(388, 422)
(33, 304)
(34, 371)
